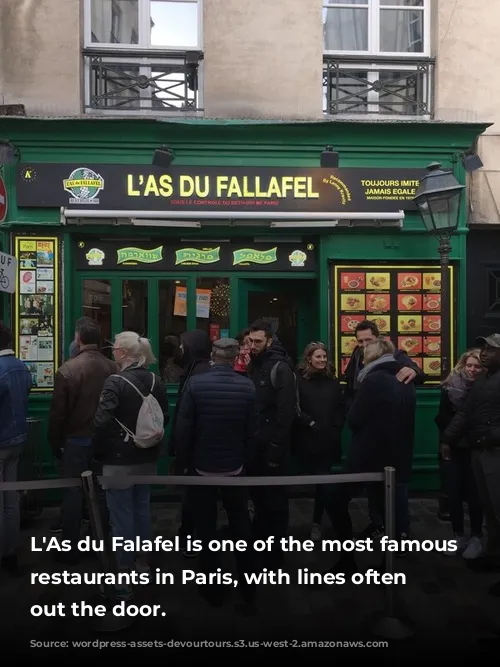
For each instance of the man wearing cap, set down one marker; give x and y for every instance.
(215, 433)
(479, 422)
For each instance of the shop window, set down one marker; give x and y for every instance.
(97, 304)
(213, 306)
(135, 306)
(172, 323)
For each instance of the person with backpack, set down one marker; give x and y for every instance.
(276, 396)
(128, 433)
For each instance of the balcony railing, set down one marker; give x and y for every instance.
(140, 82)
(379, 86)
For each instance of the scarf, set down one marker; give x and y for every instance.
(374, 364)
(457, 386)
(7, 352)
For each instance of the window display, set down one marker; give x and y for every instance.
(36, 301)
(404, 302)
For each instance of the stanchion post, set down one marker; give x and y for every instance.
(387, 624)
(390, 531)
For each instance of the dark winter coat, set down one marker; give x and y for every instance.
(356, 364)
(119, 400)
(319, 426)
(217, 421)
(478, 420)
(382, 419)
(195, 360)
(276, 406)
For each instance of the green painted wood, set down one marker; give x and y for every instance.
(253, 143)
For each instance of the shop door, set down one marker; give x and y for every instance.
(288, 304)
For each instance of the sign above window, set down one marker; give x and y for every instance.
(225, 189)
(243, 256)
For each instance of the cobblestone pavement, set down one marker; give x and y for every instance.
(446, 603)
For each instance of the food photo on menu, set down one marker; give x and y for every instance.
(432, 302)
(383, 322)
(410, 324)
(411, 302)
(378, 302)
(409, 281)
(432, 281)
(412, 345)
(378, 281)
(353, 302)
(352, 281)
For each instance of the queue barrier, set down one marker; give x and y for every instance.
(386, 624)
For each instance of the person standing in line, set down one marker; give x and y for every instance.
(274, 382)
(458, 475)
(216, 430)
(114, 446)
(410, 374)
(75, 398)
(56, 525)
(243, 359)
(478, 420)
(317, 436)
(379, 419)
(195, 350)
(15, 386)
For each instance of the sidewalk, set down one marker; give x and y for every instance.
(447, 603)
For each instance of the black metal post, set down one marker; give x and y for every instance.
(444, 250)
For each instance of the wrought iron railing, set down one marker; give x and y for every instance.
(142, 81)
(380, 86)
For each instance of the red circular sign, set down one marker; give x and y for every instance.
(3, 200)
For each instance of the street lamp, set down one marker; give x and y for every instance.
(439, 198)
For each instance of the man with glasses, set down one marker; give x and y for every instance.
(276, 404)
(75, 398)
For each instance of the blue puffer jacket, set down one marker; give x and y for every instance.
(217, 421)
(15, 386)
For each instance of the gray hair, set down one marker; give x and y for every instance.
(138, 349)
(377, 349)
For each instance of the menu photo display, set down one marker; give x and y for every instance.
(36, 303)
(405, 303)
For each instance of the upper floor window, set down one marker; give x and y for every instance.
(377, 27)
(144, 24)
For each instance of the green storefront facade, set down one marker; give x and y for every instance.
(164, 276)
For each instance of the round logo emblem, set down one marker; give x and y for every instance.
(84, 185)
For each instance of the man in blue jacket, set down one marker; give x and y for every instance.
(215, 432)
(15, 386)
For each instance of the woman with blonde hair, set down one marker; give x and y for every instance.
(321, 418)
(458, 475)
(122, 454)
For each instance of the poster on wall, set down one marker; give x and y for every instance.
(405, 304)
(36, 302)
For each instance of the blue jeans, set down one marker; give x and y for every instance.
(402, 510)
(130, 516)
(9, 501)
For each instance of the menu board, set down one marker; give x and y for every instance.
(36, 301)
(404, 302)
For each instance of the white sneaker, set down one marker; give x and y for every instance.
(474, 549)
(316, 533)
(462, 543)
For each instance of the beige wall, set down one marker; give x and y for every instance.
(263, 58)
(467, 46)
(40, 55)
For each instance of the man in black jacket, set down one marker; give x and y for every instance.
(216, 428)
(276, 404)
(479, 422)
(195, 349)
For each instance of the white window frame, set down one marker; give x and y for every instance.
(373, 7)
(144, 29)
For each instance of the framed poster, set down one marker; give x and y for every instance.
(405, 303)
(36, 308)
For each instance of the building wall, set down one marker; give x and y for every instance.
(468, 88)
(263, 59)
(40, 55)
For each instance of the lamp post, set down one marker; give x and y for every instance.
(439, 198)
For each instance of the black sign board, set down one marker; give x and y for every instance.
(257, 190)
(216, 256)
